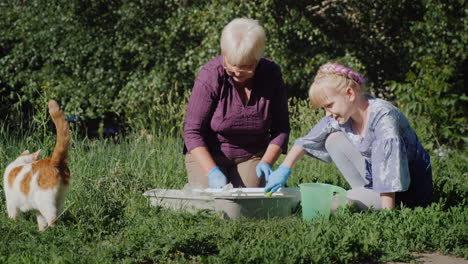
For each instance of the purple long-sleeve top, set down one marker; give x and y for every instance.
(217, 119)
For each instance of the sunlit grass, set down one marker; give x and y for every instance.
(108, 220)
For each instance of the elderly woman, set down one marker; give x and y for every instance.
(236, 124)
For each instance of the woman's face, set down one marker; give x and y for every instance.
(339, 105)
(240, 73)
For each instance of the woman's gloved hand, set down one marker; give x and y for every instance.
(263, 170)
(277, 179)
(216, 178)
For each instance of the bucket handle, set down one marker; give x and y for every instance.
(341, 195)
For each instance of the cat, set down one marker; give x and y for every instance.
(40, 185)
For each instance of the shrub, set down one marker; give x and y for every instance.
(124, 57)
(433, 92)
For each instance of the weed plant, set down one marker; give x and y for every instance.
(108, 220)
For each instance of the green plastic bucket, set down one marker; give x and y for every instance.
(316, 199)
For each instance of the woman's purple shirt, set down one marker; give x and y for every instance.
(217, 119)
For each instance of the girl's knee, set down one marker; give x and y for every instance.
(334, 140)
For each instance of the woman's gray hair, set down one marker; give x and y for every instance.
(243, 41)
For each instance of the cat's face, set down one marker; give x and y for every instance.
(27, 157)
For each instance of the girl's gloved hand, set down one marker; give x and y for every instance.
(263, 169)
(216, 178)
(277, 179)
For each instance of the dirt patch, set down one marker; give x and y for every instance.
(434, 258)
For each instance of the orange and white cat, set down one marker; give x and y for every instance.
(40, 185)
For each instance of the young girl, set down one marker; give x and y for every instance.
(369, 140)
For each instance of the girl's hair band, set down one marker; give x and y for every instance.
(342, 70)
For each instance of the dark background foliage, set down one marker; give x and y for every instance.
(134, 62)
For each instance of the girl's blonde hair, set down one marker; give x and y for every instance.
(243, 41)
(333, 76)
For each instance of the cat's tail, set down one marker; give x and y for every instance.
(60, 154)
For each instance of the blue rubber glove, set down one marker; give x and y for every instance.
(277, 179)
(263, 170)
(216, 178)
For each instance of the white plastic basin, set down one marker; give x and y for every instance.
(234, 203)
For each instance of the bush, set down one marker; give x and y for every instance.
(130, 58)
(434, 90)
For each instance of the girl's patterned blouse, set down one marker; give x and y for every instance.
(390, 146)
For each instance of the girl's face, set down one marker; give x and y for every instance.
(339, 105)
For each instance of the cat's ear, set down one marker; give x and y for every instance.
(36, 154)
(26, 152)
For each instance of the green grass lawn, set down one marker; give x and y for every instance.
(108, 220)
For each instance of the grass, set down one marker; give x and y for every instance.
(107, 220)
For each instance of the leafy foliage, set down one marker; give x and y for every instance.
(434, 90)
(133, 58)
